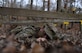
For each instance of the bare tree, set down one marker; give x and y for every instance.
(65, 4)
(14, 3)
(3, 5)
(31, 4)
(21, 3)
(36, 3)
(43, 4)
(8, 3)
(11, 3)
(59, 5)
(48, 5)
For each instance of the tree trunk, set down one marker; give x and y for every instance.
(48, 5)
(43, 5)
(8, 3)
(21, 3)
(36, 4)
(3, 3)
(65, 4)
(11, 3)
(31, 4)
(14, 3)
(59, 5)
